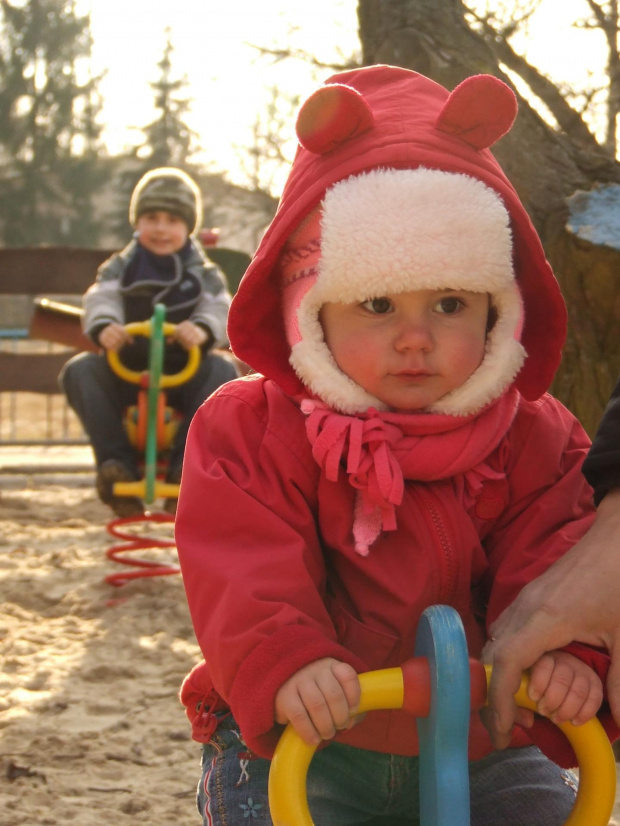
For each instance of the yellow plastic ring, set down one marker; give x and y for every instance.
(384, 689)
(597, 766)
(288, 800)
(143, 328)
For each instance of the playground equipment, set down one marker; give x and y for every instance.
(439, 686)
(151, 426)
(140, 567)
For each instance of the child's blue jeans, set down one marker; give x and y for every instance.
(346, 786)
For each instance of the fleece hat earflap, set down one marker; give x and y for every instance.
(391, 231)
(168, 189)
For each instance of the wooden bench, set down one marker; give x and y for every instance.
(47, 273)
(33, 271)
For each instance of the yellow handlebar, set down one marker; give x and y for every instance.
(597, 766)
(288, 800)
(143, 328)
(385, 690)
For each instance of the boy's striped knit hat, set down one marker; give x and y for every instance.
(168, 189)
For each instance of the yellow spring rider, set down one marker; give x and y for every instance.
(150, 424)
(439, 686)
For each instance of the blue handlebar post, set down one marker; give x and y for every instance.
(443, 735)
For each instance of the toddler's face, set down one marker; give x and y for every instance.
(162, 232)
(409, 349)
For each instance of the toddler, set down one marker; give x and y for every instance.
(395, 449)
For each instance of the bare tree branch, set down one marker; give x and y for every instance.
(279, 55)
(506, 18)
(606, 20)
(547, 168)
(568, 119)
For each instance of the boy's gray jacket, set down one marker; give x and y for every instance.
(197, 292)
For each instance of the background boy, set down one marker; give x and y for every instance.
(162, 264)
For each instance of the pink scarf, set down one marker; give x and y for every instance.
(381, 450)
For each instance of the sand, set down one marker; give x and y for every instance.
(91, 730)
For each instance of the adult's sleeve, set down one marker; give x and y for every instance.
(602, 465)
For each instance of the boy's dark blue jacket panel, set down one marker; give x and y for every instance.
(602, 465)
(131, 282)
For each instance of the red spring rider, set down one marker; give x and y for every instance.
(150, 425)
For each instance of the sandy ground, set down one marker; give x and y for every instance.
(91, 730)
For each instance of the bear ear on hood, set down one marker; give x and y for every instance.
(330, 116)
(479, 111)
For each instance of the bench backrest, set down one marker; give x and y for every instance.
(58, 271)
(31, 271)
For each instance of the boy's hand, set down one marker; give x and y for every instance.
(189, 334)
(114, 336)
(565, 688)
(319, 699)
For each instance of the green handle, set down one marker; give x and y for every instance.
(156, 359)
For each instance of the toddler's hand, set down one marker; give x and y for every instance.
(114, 336)
(565, 688)
(189, 334)
(319, 699)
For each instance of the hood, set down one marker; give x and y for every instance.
(388, 118)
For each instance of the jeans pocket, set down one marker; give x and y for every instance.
(233, 786)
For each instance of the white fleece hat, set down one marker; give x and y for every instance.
(389, 231)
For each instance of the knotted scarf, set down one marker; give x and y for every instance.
(379, 450)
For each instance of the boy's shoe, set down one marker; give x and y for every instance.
(174, 478)
(112, 471)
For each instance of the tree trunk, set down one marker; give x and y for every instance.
(545, 167)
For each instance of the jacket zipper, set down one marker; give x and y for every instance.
(439, 527)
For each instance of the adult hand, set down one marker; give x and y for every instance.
(114, 336)
(577, 599)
